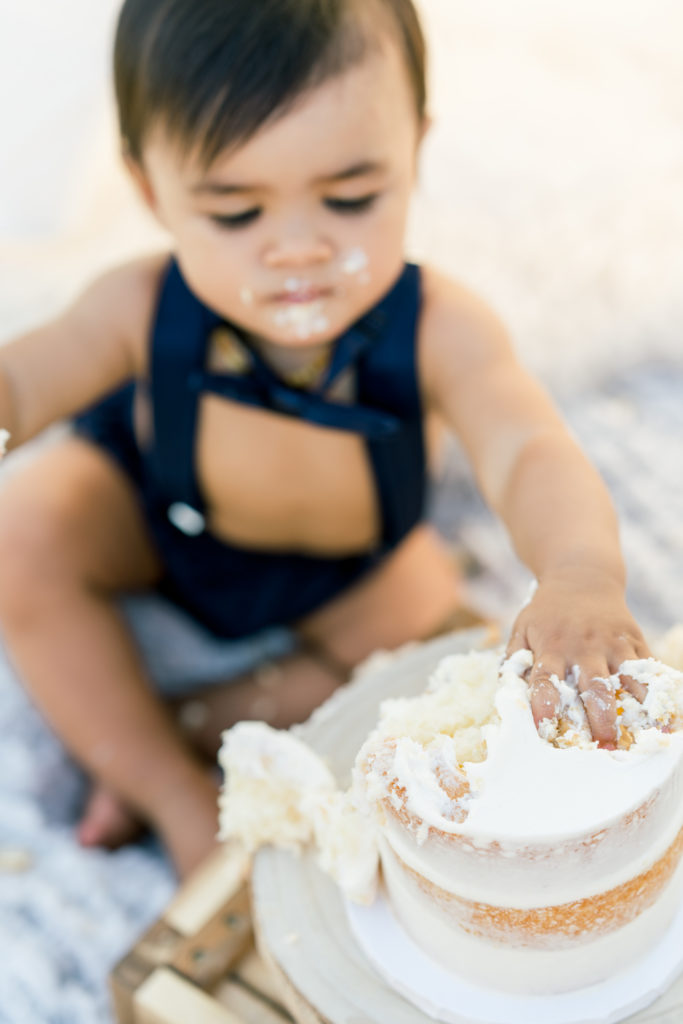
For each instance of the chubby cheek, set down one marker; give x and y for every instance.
(371, 252)
(215, 273)
(366, 270)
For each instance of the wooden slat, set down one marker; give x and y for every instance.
(167, 998)
(208, 889)
(159, 944)
(205, 930)
(300, 1008)
(212, 952)
(252, 971)
(124, 981)
(248, 1005)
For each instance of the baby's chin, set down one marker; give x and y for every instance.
(305, 324)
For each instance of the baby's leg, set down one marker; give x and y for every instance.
(412, 595)
(71, 537)
(415, 593)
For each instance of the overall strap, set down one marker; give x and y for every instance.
(382, 345)
(388, 379)
(180, 332)
(262, 387)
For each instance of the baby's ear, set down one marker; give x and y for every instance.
(425, 127)
(141, 182)
(422, 130)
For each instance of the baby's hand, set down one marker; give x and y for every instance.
(579, 620)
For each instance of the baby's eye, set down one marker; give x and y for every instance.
(236, 220)
(358, 205)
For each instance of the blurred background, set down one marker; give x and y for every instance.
(552, 183)
(551, 180)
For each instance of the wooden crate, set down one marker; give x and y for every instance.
(198, 963)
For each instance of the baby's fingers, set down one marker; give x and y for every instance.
(545, 700)
(639, 690)
(599, 700)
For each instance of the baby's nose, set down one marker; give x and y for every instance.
(298, 253)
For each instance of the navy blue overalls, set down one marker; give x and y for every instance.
(236, 591)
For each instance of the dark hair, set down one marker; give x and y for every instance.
(215, 71)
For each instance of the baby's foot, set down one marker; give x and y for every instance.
(107, 821)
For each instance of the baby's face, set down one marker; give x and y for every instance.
(298, 232)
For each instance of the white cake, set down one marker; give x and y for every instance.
(530, 864)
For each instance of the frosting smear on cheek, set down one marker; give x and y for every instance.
(355, 263)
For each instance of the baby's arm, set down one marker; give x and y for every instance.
(96, 344)
(553, 502)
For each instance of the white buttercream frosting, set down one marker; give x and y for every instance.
(520, 785)
(278, 792)
(303, 319)
(272, 780)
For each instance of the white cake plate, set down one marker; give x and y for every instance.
(446, 997)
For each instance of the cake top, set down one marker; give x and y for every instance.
(463, 757)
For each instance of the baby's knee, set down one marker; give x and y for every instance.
(33, 557)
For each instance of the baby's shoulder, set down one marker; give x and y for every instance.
(455, 312)
(457, 328)
(123, 302)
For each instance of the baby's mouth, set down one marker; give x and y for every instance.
(301, 293)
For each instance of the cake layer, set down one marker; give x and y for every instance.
(524, 875)
(549, 950)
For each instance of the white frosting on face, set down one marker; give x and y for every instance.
(354, 262)
(4, 438)
(303, 319)
(246, 296)
(295, 284)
